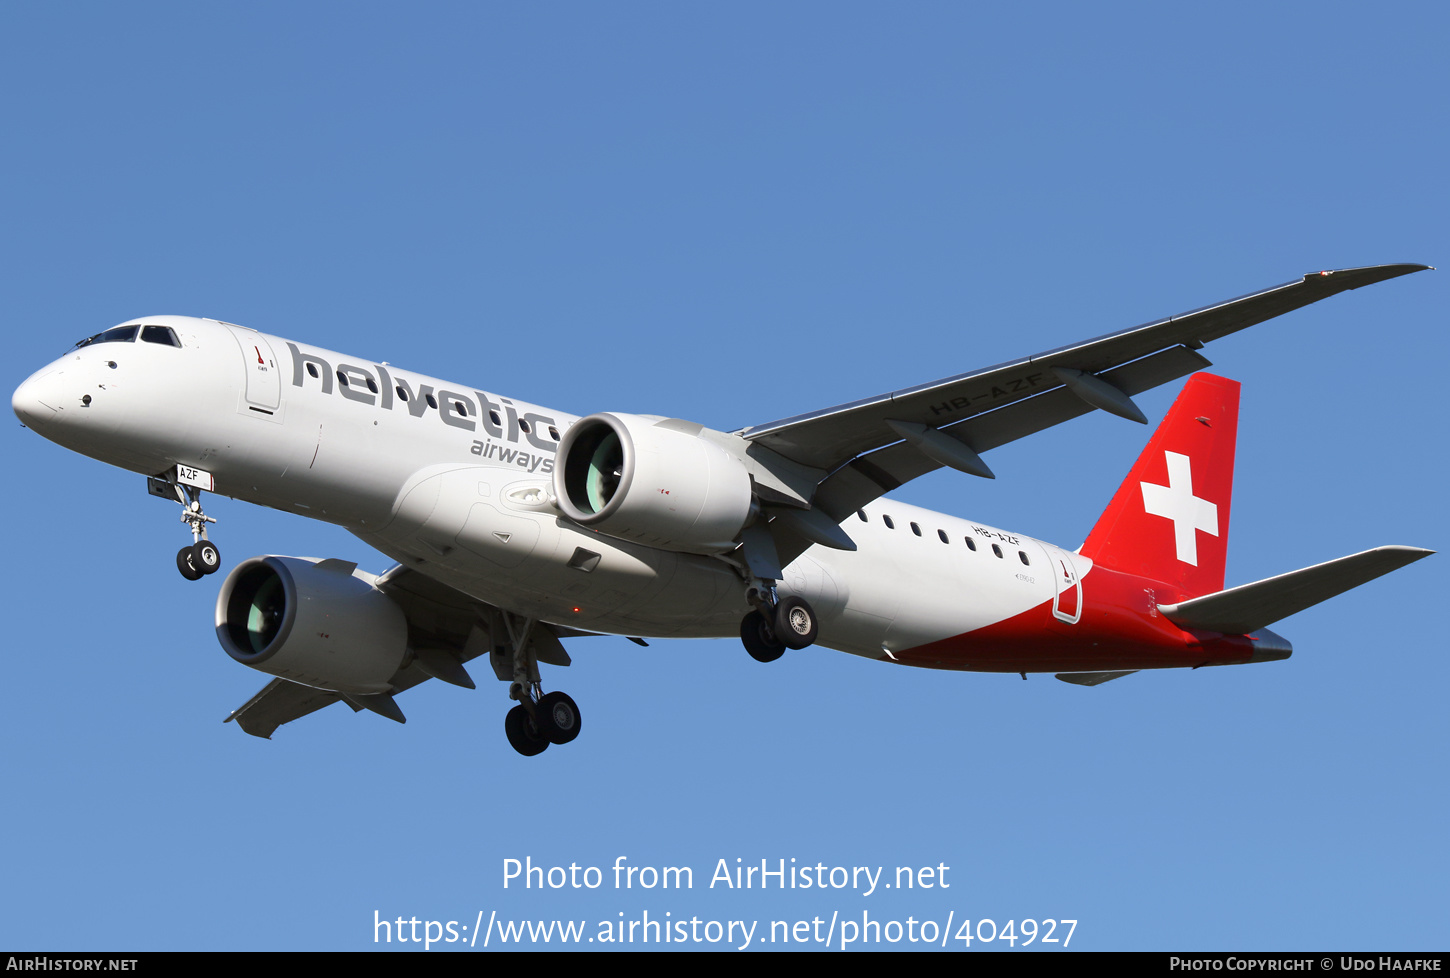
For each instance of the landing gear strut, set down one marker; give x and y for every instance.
(540, 718)
(777, 624)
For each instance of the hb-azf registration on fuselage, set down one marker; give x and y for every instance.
(515, 526)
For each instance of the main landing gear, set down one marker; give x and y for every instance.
(777, 624)
(536, 723)
(540, 718)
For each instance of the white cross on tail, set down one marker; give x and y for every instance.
(1177, 502)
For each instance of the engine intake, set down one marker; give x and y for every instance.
(653, 482)
(312, 622)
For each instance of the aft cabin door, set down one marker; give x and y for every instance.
(1067, 595)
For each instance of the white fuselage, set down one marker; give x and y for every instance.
(457, 483)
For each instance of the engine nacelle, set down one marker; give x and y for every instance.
(312, 622)
(652, 483)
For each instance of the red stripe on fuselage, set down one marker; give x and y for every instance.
(1120, 629)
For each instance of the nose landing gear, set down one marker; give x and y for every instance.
(202, 557)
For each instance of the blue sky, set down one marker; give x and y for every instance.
(734, 214)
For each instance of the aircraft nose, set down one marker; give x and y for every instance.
(35, 402)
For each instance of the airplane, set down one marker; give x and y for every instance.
(514, 526)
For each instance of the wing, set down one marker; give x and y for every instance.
(872, 446)
(446, 628)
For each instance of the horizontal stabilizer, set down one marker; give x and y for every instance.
(1244, 609)
(1092, 678)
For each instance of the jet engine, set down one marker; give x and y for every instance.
(653, 482)
(313, 622)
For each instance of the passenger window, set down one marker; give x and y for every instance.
(523, 426)
(971, 544)
(342, 378)
(1023, 555)
(432, 402)
(916, 529)
(943, 535)
(402, 394)
(312, 370)
(996, 550)
(862, 513)
(887, 520)
(163, 335)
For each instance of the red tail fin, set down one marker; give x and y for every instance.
(1168, 521)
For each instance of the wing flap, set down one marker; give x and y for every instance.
(874, 474)
(1249, 607)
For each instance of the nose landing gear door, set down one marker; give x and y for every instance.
(263, 396)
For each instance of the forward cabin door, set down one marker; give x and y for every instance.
(264, 379)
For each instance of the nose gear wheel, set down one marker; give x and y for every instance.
(206, 556)
(186, 563)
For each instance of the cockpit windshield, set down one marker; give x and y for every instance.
(164, 335)
(116, 334)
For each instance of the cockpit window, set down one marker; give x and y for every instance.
(116, 334)
(164, 335)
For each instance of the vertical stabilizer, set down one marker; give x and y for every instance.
(1169, 519)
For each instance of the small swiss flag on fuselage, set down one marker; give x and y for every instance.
(1169, 519)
